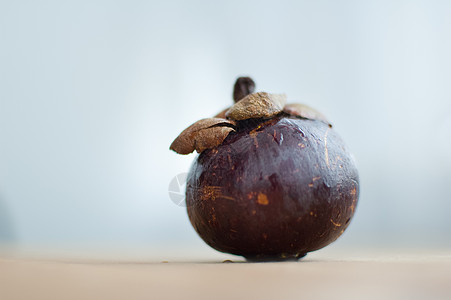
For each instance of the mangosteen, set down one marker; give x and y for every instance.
(273, 181)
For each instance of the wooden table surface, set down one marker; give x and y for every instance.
(385, 275)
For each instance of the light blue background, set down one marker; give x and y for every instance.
(93, 92)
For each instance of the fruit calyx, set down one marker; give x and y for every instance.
(260, 106)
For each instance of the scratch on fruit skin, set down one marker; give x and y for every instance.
(335, 224)
(326, 152)
(227, 197)
(354, 200)
(229, 159)
(253, 135)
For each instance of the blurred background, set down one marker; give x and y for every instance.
(92, 93)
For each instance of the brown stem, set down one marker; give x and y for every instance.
(243, 87)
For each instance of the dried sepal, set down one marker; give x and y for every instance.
(305, 111)
(202, 135)
(211, 137)
(257, 105)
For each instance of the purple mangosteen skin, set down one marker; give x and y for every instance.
(273, 190)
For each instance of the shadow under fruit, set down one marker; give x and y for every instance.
(273, 181)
